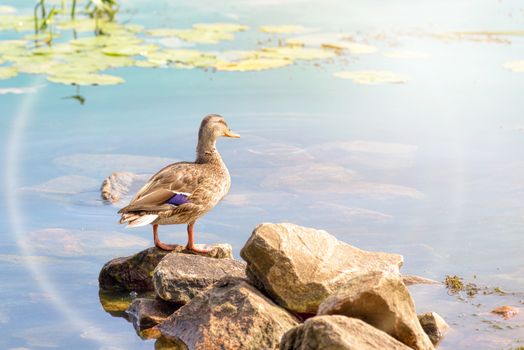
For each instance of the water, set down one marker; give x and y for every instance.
(431, 169)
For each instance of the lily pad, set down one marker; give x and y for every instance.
(203, 33)
(37, 67)
(8, 46)
(86, 79)
(60, 49)
(284, 29)
(253, 64)
(515, 66)
(8, 72)
(372, 77)
(129, 50)
(221, 27)
(17, 23)
(203, 37)
(188, 58)
(296, 53)
(335, 41)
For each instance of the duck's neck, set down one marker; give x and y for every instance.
(207, 151)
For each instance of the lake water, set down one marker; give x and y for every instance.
(432, 169)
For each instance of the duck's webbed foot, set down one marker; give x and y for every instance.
(193, 248)
(191, 242)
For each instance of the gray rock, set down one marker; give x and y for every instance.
(338, 333)
(299, 267)
(434, 326)
(232, 314)
(147, 313)
(134, 273)
(179, 278)
(382, 300)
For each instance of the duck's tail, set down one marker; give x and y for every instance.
(136, 220)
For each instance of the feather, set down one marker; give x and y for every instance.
(179, 199)
(142, 220)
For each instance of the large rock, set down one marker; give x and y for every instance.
(179, 278)
(147, 313)
(232, 314)
(434, 326)
(338, 333)
(382, 300)
(299, 267)
(134, 273)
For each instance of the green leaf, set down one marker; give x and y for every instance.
(86, 79)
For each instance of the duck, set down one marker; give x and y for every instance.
(183, 192)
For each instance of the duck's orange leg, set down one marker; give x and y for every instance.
(191, 241)
(159, 244)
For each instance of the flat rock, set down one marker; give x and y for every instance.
(299, 267)
(410, 280)
(179, 278)
(434, 326)
(382, 300)
(147, 313)
(338, 333)
(118, 185)
(134, 273)
(232, 314)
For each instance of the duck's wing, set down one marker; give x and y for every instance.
(170, 186)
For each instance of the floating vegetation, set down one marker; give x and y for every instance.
(515, 66)
(253, 64)
(335, 41)
(284, 29)
(295, 53)
(85, 79)
(457, 286)
(202, 33)
(98, 42)
(454, 283)
(8, 72)
(372, 77)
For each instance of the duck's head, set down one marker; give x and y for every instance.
(214, 126)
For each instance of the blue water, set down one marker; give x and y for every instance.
(432, 169)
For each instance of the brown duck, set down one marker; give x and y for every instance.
(183, 192)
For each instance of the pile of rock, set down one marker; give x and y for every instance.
(300, 289)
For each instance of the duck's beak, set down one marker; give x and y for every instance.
(230, 133)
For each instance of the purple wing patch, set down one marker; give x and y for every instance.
(178, 199)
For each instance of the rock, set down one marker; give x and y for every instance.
(410, 280)
(117, 185)
(134, 273)
(178, 278)
(382, 300)
(299, 267)
(505, 311)
(113, 303)
(165, 344)
(338, 333)
(434, 326)
(147, 313)
(232, 314)
(149, 333)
